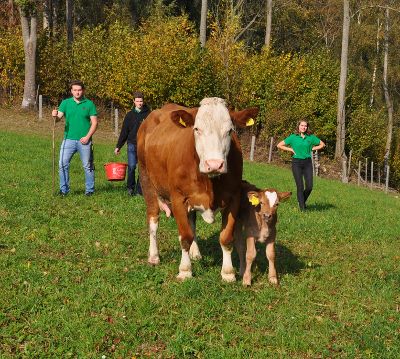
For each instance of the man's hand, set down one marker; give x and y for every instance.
(84, 140)
(116, 151)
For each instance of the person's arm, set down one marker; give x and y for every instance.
(281, 145)
(318, 147)
(123, 136)
(92, 130)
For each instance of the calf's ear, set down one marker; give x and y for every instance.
(283, 196)
(245, 117)
(254, 198)
(183, 119)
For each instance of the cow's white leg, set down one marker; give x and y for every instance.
(194, 251)
(185, 267)
(153, 247)
(227, 271)
(250, 256)
(270, 251)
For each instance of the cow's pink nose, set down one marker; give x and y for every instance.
(214, 165)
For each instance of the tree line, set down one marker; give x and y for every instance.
(334, 62)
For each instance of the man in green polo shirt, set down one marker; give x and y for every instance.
(80, 124)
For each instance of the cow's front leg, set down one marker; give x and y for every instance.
(226, 241)
(185, 239)
(194, 251)
(270, 252)
(240, 246)
(250, 256)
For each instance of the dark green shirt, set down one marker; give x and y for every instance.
(77, 117)
(302, 146)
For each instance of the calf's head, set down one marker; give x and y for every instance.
(213, 126)
(266, 203)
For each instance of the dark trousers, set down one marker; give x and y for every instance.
(132, 161)
(303, 176)
(131, 183)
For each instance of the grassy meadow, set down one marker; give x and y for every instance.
(75, 282)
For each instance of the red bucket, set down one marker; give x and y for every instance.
(115, 171)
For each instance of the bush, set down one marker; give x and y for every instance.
(11, 65)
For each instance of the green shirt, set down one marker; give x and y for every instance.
(77, 117)
(302, 146)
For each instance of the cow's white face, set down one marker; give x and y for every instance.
(212, 134)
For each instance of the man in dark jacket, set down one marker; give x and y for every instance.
(128, 134)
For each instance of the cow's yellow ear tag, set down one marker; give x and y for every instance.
(183, 123)
(254, 200)
(250, 122)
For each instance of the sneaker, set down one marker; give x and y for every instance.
(88, 194)
(62, 194)
(130, 192)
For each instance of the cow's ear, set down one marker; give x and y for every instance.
(254, 198)
(283, 196)
(245, 117)
(182, 118)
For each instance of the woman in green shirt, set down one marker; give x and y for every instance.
(301, 143)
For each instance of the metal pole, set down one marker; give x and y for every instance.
(359, 173)
(372, 173)
(253, 141)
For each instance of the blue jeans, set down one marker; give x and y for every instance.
(67, 150)
(132, 162)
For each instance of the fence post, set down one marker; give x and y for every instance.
(349, 164)
(359, 173)
(379, 176)
(372, 173)
(366, 170)
(116, 122)
(40, 107)
(387, 179)
(270, 150)
(344, 169)
(253, 141)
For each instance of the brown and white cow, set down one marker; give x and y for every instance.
(257, 222)
(190, 160)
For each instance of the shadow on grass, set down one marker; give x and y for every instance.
(286, 261)
(319, 207)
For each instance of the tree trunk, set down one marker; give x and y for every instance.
(69, 4)
(203, 23)
(12, 19)
(341, 113)
(389, 104)
(56, 10)
(372, 97)
(29, 34)
(268, 23)
(48, 15)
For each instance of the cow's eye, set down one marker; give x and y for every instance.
(230, 131)
(197, 130)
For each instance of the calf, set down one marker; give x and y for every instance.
(257, 222)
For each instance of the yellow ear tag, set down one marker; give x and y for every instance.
(182, 122)
(250, 122)
(254, 200)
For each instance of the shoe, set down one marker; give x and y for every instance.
(131, 192)
(62, 194)
(88, 194)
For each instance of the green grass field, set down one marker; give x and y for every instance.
(75, 281)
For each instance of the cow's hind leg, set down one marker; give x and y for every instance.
(194, 251)
(270, 252)
(154, 257)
